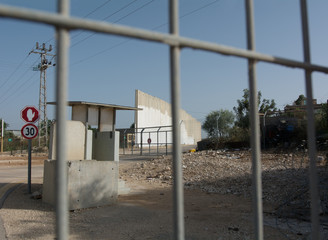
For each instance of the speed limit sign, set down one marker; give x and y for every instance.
(29, 131)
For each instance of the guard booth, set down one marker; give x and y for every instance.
(92, 155)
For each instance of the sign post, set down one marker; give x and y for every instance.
(29, 166)
(29, 131)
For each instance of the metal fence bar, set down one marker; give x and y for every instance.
(169, 39)
(255, 126)
(148, 143)
(141, 141)
(314, 193)
(62, 221)
(175, 99)
(64, 23)
(166, 142)
(158, 139)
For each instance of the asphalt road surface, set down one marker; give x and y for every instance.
(13, 176)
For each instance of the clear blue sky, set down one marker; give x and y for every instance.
(108, 69)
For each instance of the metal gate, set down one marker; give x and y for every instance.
(64, 23)
(146, 141)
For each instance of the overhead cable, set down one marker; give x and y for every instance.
(112, 14)
(154, 28)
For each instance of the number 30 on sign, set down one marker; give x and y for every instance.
(29, 131)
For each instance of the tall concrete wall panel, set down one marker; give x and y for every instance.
(156, 112)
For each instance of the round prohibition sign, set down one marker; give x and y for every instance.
(29, 131)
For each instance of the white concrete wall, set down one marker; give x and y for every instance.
(156, 112)
(75, 140)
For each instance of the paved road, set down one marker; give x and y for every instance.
(12, 176)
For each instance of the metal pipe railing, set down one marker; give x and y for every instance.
(63, 22)
(158, 139)
(255, 126)
(169, 39)
(310, 127)
(62, 220)
(175, 99)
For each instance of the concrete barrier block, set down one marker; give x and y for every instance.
(90, 183)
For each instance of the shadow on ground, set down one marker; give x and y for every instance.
(146, 215)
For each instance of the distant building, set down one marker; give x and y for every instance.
(284, 126)
(301, 107)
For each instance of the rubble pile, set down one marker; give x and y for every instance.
(283, 175)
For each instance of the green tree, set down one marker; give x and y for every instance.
(242, 110)
(218, 123)
(300, 100)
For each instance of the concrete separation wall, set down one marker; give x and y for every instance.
(156, 112)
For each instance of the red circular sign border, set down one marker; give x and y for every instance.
(29, 124)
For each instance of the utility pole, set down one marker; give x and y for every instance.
(42, 67)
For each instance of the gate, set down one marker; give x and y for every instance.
(64, 23)
(146, 141)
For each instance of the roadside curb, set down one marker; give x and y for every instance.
(4, 193)
(6, 190)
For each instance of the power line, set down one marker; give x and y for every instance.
(198, 9)
(154, 28)
(107, 49)
(88, 14)
(134, 11)
(12, 74)
(15, 82)
(97, 8)
(93, 11)
(4, 64)
(17, 68)
(101, 52)
(121, 9)
(22, 62)
(5, 96)
(22, 85)
(112, 14)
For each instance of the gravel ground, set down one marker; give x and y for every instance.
(284, 175)
(217, 201)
